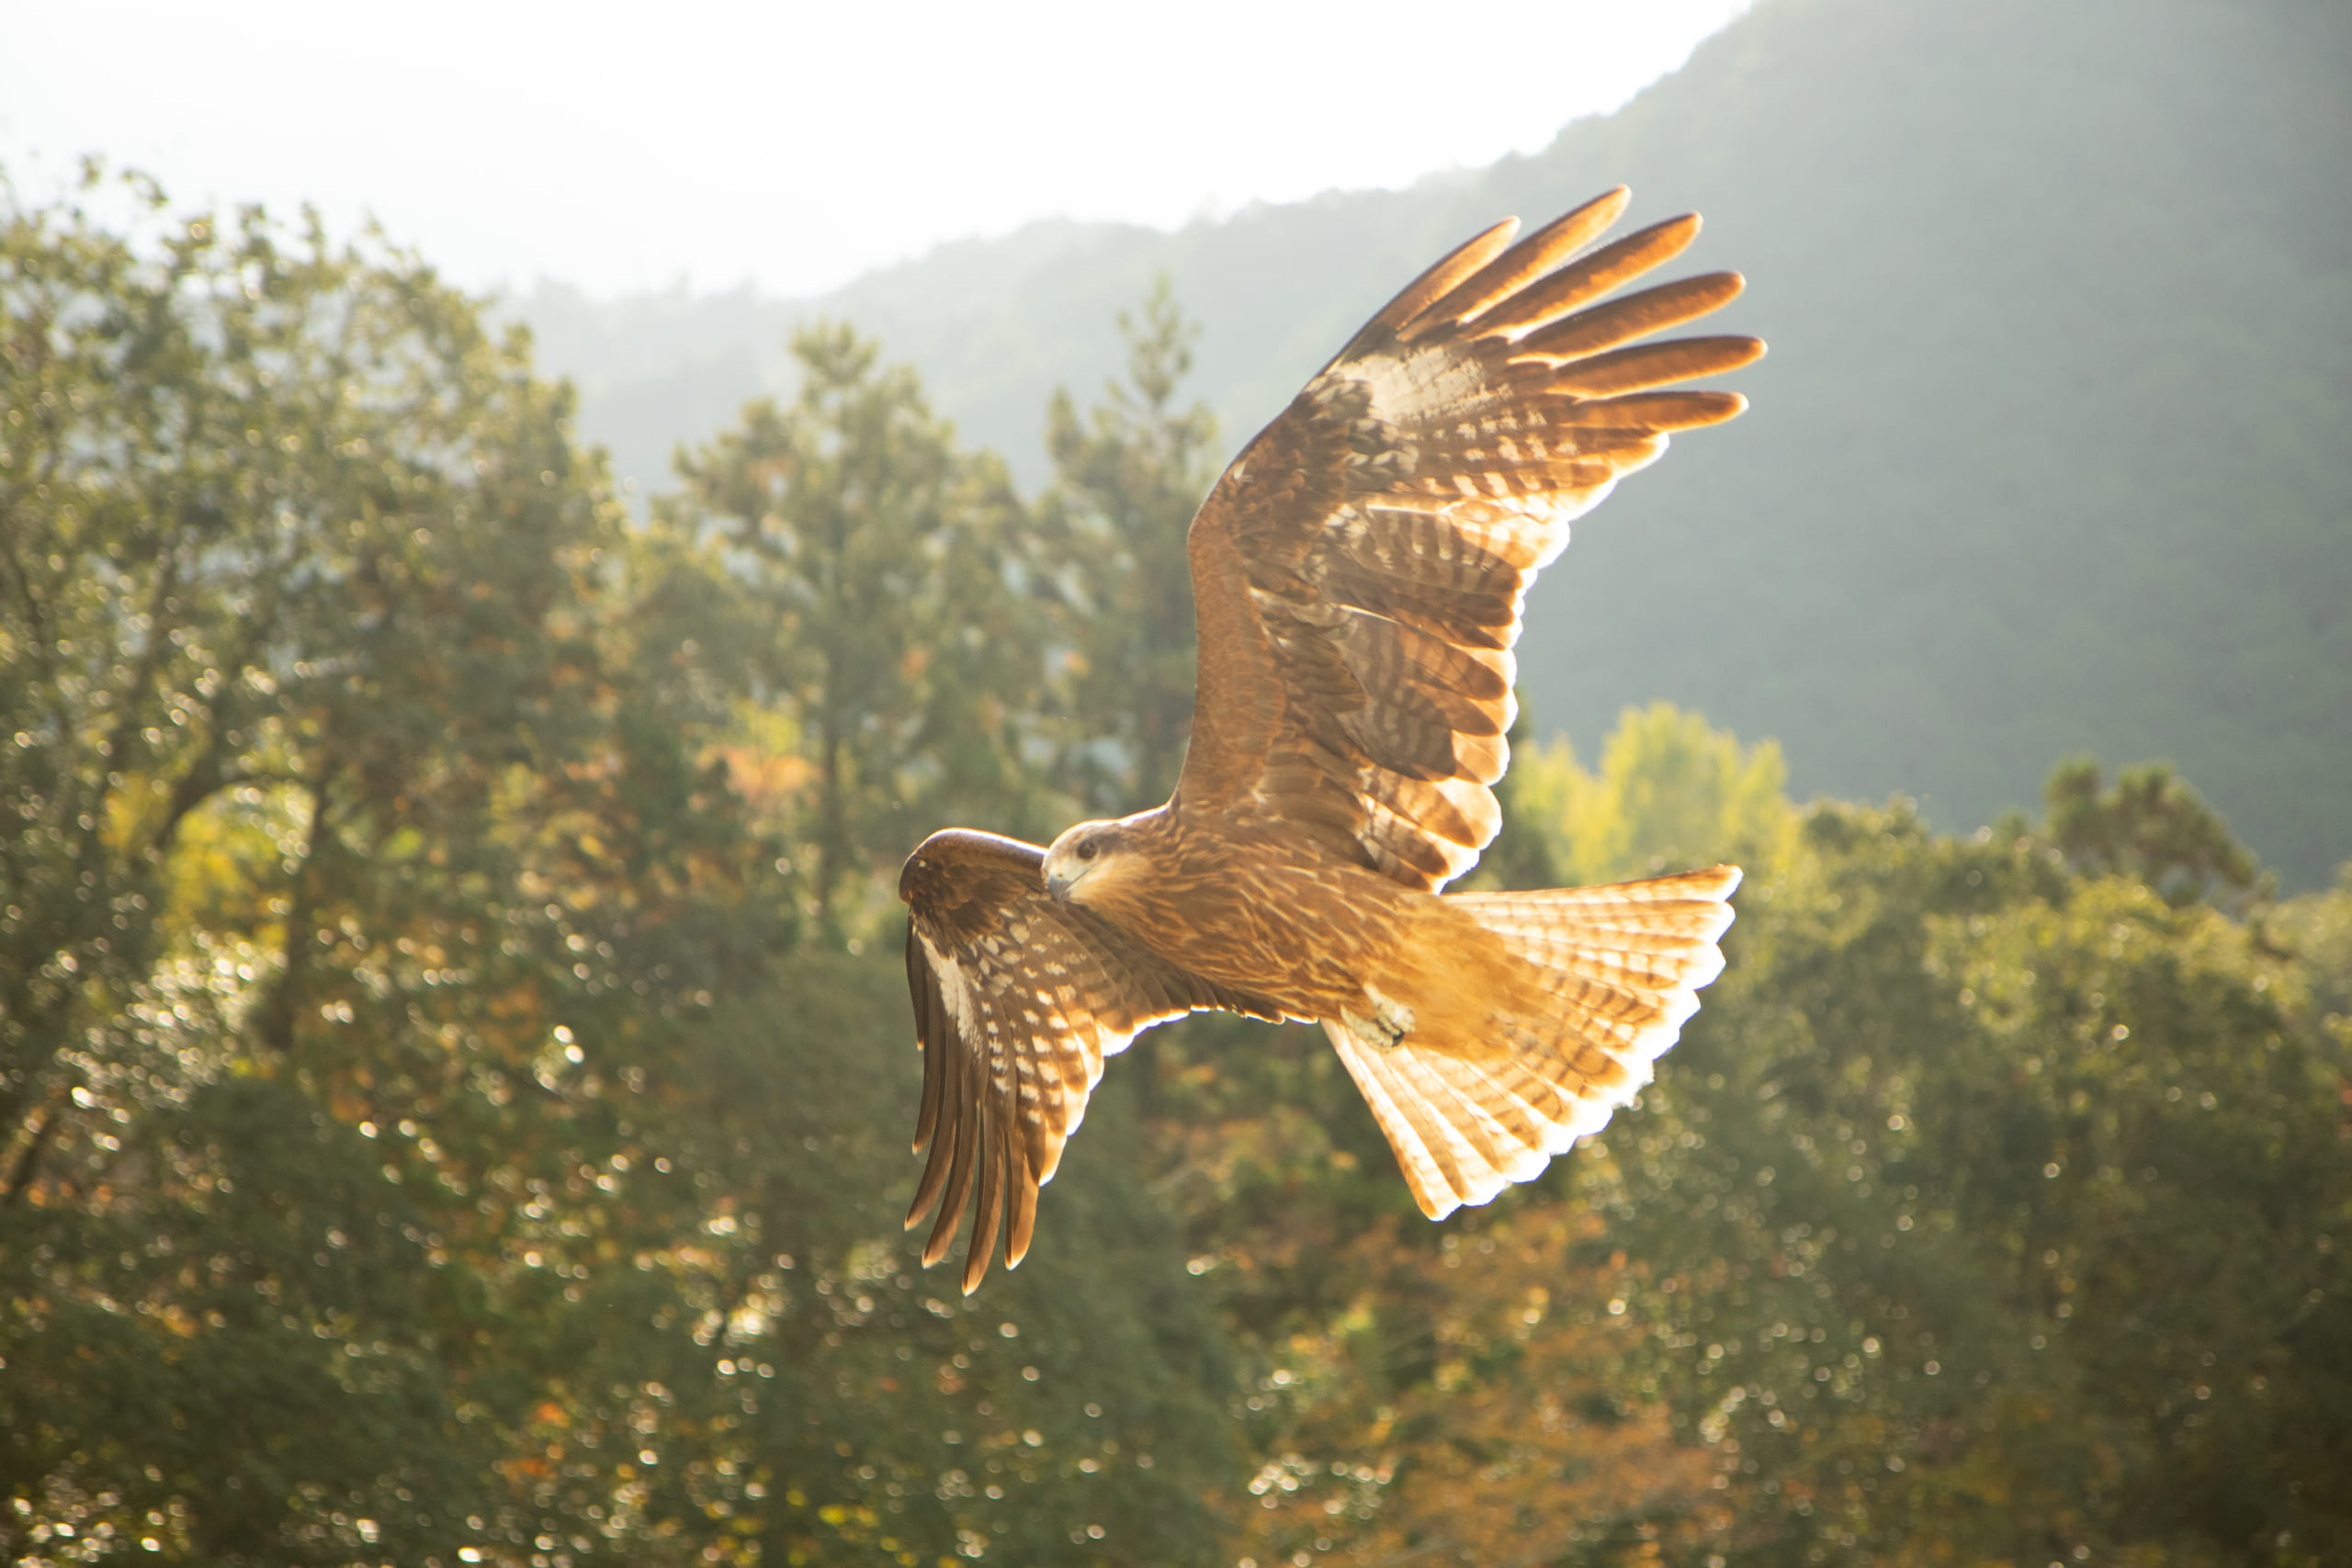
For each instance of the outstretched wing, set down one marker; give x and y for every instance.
(1018, 998)
(1358, 572)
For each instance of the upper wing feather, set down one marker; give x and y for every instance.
(1358, 572)
(1018, 998)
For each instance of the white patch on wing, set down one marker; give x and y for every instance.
(955, 988)
(1422, 382)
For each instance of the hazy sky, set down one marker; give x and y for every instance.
(625, 146)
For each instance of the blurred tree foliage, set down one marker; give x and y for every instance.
(1128, 473)
(1992, 1210)
(883, 623)
(433, 1133)
(454, 1058)
(2151, 828)
(1670, 792)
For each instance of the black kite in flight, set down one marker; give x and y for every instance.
(1357, 579)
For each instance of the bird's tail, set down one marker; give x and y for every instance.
(1602, 980)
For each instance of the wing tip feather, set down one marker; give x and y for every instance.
(1442, 275)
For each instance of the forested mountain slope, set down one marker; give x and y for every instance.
(2047, 457)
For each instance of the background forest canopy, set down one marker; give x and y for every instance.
(454, 1063)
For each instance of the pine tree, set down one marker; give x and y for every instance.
(1130, 474)
(886, 568)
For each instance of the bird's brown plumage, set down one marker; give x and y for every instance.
(1358, 576)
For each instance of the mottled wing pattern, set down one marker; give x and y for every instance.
(1359, 571)
(1618, 968)
(1018, 999)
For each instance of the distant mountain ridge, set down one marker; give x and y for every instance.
(2050, 454)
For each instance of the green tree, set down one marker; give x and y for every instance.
(431, 1137)
(2151, 827)
(295, 563)
(2317, 928)
(1130, 474)
(865, 585)
(1992, 1211)
(1672, 793)
(890, 627)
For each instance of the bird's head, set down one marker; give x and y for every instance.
(1087, 858)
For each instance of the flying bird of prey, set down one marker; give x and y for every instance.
(1357, 578)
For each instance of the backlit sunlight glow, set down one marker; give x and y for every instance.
(793, 146)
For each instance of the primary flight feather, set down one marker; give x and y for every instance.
(1357, 579)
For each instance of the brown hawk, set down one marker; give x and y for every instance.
(1357, 577)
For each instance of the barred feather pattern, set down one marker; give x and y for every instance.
(1360, 571)
(1359, 575)
(1617, 970)
(1018, 999)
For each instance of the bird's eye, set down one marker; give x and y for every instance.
(1086, 849)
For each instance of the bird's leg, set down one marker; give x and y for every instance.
(1384, 1024)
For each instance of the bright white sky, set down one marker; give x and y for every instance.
(793, 146)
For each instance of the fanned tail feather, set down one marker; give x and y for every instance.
(1609, 975)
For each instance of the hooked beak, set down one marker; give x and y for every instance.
(1063, 875)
